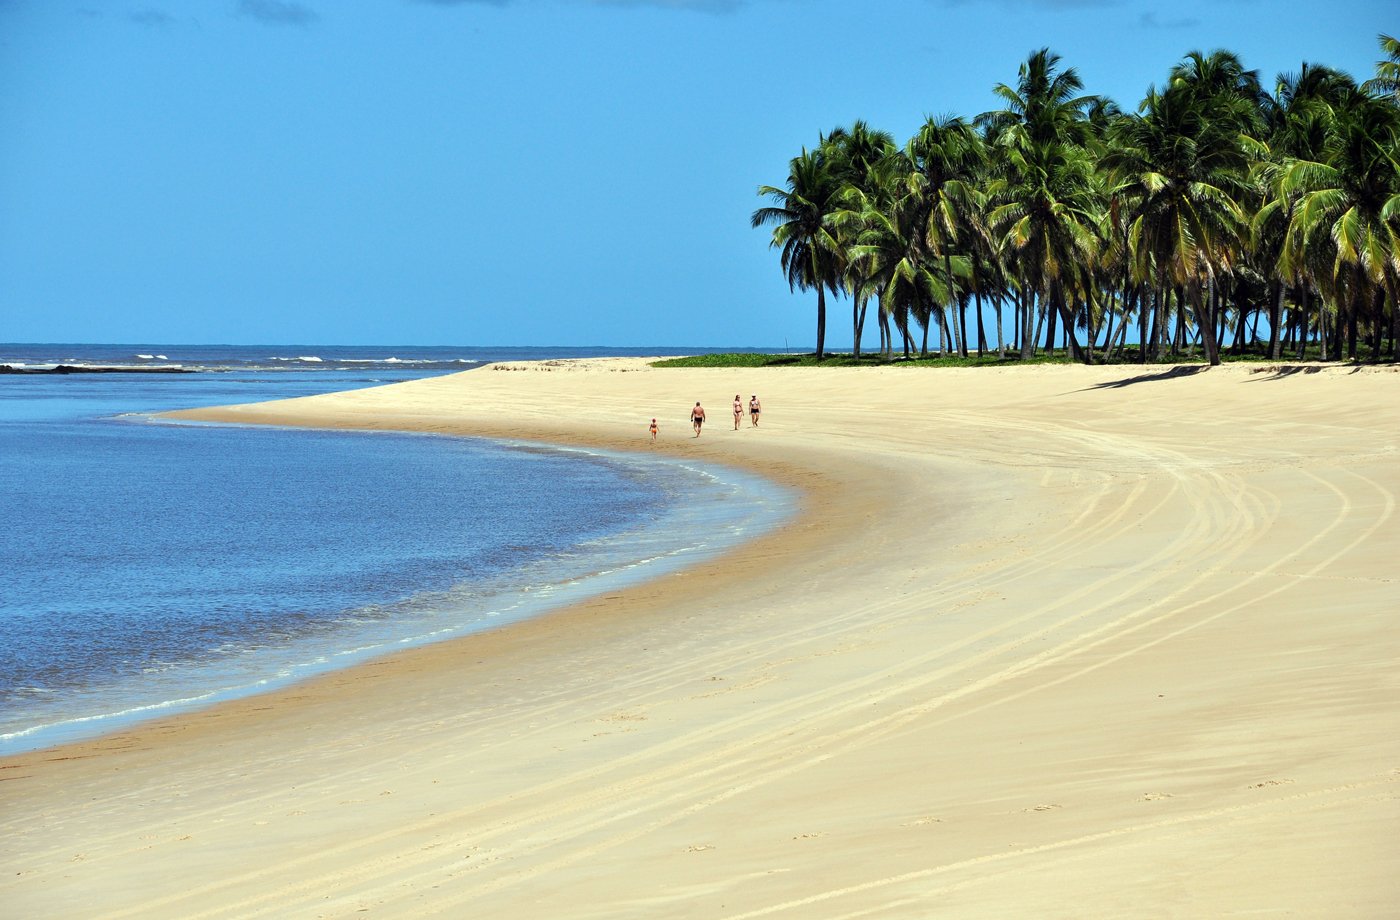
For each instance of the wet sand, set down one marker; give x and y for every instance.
(1047, 641)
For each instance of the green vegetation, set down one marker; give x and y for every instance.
(831, 359)
(1214, 209)
(1130, 354)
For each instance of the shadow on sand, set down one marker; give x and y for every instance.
(1185, 370)
(1278, 371)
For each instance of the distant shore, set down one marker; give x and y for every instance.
(93, 369)
(1044, 641)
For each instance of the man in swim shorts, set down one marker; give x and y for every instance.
(697, 417)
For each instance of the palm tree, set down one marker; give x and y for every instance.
(1181, 172)
(889, 251)
(1387, 79)
(1351, 199)
(1042, 196)
(1046, 103)
(988, 271)
(801, 217)
(946, 157)
(1219, 78)
(855, 155)
(1212, 206)
(1046, 215)
(1298, 117)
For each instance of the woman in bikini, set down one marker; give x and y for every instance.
(738, 410)
(754, 409)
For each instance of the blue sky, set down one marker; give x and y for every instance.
(488, 172)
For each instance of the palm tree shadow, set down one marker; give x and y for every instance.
(1278, 372)
(1185, 370)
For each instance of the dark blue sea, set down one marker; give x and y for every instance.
(148, 567)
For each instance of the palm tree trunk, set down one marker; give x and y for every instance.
(1179, 331)
(1001, 342)
(1303, 324)
(1027, 333)
(821, 320)
(1151, 343)
(981, 332)
(1071, 340)
(1216, 310)
(1394, 315)
(1110, 345)
(1108, 322)
(1159, 314)
(959, 337)
(1275, 313)
(857, 321)
(1207, 327)
(1164, 309)
(1323, 340)
(1378, 311)
(1123, 330)
(1351, 329)
(1020, 324)
(901, 323)
(1145, 303)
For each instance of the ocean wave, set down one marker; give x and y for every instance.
(152, 357)
(127, 713)
(306, 359)
(403, 361)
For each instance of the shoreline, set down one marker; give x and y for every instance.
(1042, 622)
(547, 586)
(799, 481)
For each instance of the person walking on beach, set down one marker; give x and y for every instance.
(653, 431)
(697, 417)
(755, 407)
(738, 410)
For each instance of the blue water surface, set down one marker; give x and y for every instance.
(149, 567)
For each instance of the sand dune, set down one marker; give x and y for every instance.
(1044, 642)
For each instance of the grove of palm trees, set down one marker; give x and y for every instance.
(1219, 217)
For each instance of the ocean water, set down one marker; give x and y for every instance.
(148, 567)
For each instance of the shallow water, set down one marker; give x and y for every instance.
(150, 567)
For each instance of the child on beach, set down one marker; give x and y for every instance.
(653, 431)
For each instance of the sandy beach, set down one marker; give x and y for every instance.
(1042, 642)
